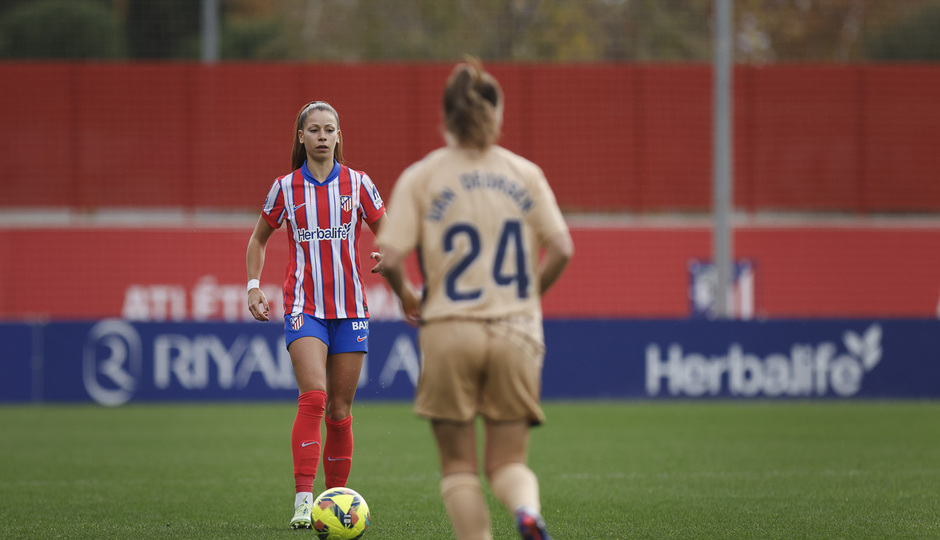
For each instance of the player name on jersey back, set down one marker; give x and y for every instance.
(480, 179)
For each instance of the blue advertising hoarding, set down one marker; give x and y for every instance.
(743, 359)
(114, 361)
(16, 362)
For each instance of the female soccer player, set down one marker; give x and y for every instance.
(326, 321)
(479, 216)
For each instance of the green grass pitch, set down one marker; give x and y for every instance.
(607, 470)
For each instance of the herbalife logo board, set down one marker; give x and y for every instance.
(793, 359)
(804, 370)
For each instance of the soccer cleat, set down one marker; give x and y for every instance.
(302, 513)
(531, 525)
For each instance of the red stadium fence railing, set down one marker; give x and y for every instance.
(610, 137)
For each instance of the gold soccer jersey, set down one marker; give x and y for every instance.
(478, 221)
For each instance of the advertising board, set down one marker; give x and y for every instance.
(114, 361)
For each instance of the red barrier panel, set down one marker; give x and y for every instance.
(198, 273)
(241, 131)
(844, 272)
(675, 159)
(610, 137)
(580, 124)
(38, 135)
(902, 127)
(805, 153)
(132, 147)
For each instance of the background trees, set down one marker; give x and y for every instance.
(511, 30)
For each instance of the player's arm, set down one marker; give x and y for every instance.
(254, 258)
(558, 251)
(377, 256)
(394, 272)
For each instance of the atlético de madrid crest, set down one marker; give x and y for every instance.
(296, 322)
(345, 201)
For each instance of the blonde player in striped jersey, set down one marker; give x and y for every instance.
(479, 217)
(323, 204)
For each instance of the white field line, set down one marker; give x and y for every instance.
(842, 473)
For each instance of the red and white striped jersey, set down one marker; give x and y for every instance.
(323, 273)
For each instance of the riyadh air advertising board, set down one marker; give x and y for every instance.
(114, 361)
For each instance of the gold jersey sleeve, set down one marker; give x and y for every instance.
(478, 221)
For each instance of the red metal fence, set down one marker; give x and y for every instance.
(610, 137)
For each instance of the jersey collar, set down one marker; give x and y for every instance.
(309, 177)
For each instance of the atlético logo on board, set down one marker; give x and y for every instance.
(345, 201)
(296, 322)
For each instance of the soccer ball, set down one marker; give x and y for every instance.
(340, 514)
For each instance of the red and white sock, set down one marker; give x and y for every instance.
(337, 451)
(305, 438)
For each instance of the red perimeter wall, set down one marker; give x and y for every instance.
(611, 137)
(199, 273)
(856, 139)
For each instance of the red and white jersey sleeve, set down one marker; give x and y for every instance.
(323, 275)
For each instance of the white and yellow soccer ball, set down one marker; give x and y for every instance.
(340, 514)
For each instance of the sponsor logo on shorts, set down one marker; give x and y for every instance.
(360, 339)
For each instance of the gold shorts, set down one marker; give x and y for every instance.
(488, 368)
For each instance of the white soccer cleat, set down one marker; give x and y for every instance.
(302, 515)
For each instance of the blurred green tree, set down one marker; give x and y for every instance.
(163, 28)
(506, 30)
(828, 30)
(60, 29)
(257, 38)
(914, 37)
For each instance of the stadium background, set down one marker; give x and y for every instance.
(133, 170)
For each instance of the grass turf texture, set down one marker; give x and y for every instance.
(608, 470)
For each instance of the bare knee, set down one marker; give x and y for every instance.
(338, 408)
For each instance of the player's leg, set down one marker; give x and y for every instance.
(308, 357)
(460, 483)
(510, 404)
(453, 354)
(512, 481)
(342, 378)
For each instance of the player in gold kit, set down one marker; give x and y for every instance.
(491, 240)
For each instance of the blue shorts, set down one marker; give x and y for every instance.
(340, 335)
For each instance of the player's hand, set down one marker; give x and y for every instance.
(258, 305)
(379, 268)
(411, 305)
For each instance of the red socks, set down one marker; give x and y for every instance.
(305, 438)
(337, 452)
(305, 444)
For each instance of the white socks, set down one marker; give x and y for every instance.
(299, 498)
